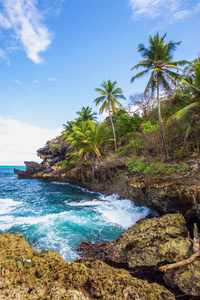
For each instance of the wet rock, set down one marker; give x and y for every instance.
(149, 244)
(48, 276)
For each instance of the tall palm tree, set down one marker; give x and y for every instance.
(158, 59)
(86, 114)
(109, 96)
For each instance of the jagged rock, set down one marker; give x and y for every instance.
(167, 194)
(48, 276)
(149, 244)
(53, 152)
(32, 167)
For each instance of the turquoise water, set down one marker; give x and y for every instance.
(47, 213)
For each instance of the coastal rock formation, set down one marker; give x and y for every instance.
(28, 274)
(148, 245)
(31, 168)
(165, 194)
(53, 152)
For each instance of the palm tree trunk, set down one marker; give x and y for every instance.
(113, 128)
(160, 121)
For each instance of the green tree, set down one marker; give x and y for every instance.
(85, 141)
(124, 123)
(86, 114)
(158, 59)
(109, 96)
(191, 81)
(68, 129)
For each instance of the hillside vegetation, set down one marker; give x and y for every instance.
(156, 131)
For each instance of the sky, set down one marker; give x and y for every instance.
(54, 53)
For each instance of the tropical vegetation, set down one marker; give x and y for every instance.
(165, 116)
(109, 96)
(158, 58)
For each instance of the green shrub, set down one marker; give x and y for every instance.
(130, 148)
(136, 165)
(157, 168)
(148, 127)
(55, 148)
(182, 168)
(65, 164)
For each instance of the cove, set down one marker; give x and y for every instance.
(55, 216)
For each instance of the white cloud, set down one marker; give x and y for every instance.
(171, 10)
(52, 79)
(18, 81)
(2, 54)
(20, 141)
(24, 18)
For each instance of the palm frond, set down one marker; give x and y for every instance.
(139, 75)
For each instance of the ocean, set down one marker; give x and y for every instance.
(49, 216)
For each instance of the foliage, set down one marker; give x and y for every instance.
(85, 141)
(68, 129)
(129, 149)
(65, 164)
(86, 114)
(158, 168)
(158, 59)
(55, 148)
(148, 127)
(125, 123)
(109, 96)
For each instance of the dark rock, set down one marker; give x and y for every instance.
(20, 173)
(32, 167)
(48, 170)
(53, 152)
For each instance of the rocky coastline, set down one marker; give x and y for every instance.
(137, 255)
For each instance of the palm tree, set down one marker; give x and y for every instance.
(109, 96)
(85, 141)
(68, 129)
(86, 114)
(158, 59)
(191, 80)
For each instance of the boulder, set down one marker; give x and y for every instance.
(148, 245)
(32, 167)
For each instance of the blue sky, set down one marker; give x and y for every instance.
(54, 53)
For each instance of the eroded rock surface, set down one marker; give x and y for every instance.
(46, 275)
(149, 244)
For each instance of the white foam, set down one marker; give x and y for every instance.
(123, 212)
(8, 205)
